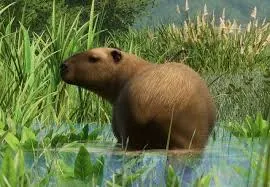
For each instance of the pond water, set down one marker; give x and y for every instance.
(229, 161)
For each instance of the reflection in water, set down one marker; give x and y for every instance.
(228, 161)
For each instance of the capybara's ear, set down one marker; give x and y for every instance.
(116, 54)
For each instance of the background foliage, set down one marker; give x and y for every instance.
(118, 14)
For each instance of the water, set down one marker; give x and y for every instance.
(229, 161)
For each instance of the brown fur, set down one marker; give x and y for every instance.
(147, 98)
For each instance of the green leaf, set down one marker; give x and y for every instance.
(8, 173)
(46, 180)
(83, 166)
(241, 171)
(19, 165)
(74, 137)
(94, 134)
(12, 141)
(97, 170)
(59, 140)
(2, 123)
(117, 180)
(85, 132)
(172, 179)
(2, 126)
(5, 8)
(203, 181)
(53, 20)
(112, 184)
(3, 135)
(91, 28)
(28, 138)
(65, 171)
(27, 134)
(27, 52)
(131, 178)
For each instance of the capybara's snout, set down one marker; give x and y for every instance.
(63, 68)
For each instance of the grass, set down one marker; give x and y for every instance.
(39, 113)
(34, 90)
(251, 128)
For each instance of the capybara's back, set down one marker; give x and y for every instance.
(168, 102)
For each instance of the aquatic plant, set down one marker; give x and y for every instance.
(250, 128)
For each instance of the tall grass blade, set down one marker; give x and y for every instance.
(92, 26)
(2, 10)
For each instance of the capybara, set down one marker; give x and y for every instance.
(155, 106)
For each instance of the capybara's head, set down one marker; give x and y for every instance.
(90, 68)
(102, 70)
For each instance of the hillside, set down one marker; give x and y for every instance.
(165, 10)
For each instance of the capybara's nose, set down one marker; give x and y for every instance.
(63, 68)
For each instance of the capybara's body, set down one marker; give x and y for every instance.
(155, 106)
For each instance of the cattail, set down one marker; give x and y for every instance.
(239, 28)
(268, 39)
(242, 49)
(185, 33)
(249, 27)
(174, 29)
(265, 27)
(213, 19)
(233, 26)
(199, 21)
(254, 13)
(223, 14)
(186, 7)
(150, 35)
(185, 26)
(222, 23)
(221, 26)
(258, 39)
(256, 23)
(203, 21)
(264, 20)
(266, 42)
(205, 12)
(177, 9)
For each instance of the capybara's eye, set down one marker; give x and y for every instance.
(92, 59)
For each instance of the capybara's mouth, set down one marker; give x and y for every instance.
(64, 73)
(66, 79)
(63, 69)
